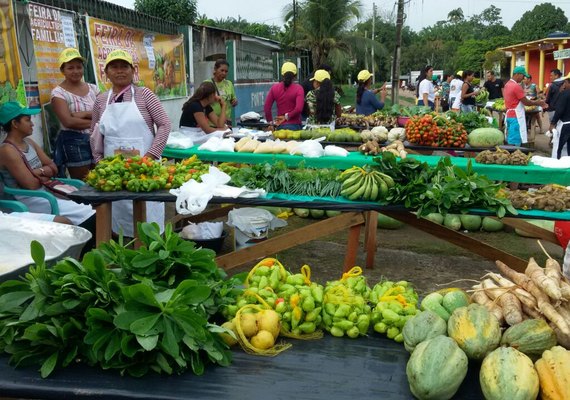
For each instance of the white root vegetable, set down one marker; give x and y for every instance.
(531, 312)
(524, 297)
(545, 283)
(544, 305)
(565, 290)
(509, 303)
(553, 270)
(481, 298)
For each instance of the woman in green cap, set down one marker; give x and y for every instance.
(72, 101)
(23, 164)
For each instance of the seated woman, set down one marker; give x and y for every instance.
(366, 101)
(323, 101)
(23, 164)
(197, 112)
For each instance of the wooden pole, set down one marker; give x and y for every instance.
(397, 53)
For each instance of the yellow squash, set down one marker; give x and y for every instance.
(554, 374)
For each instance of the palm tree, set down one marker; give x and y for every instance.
(322, 27)
(455, 16)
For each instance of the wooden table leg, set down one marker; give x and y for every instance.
(290, 239)
(102, 223)
(351, 247)
(370, 237)
(139, 215)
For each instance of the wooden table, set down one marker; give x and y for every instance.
(357, 216)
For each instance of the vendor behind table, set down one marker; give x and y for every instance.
(366, 101)
(323, 101)
(198, 113)
(290, 100)
(124, 120)
(224, 89)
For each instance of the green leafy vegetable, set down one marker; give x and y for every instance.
(134, 311)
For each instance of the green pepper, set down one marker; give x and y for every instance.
(317, 292)
(344, 324)
(342, 311)
(392, 332)
(308, 304)
(390, 317)
(353, 332)
(312, 315)
(363, 323)
(380, 327)
(337, 332)
(307, 327)
(330, 309)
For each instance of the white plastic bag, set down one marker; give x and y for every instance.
(193, 197)
(310, 149)
(249, 220)
(179, 140)
(335, 151)
(218, 144)
(203, 230)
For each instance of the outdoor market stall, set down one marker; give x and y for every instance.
(510, 173)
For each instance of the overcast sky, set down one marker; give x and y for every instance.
(420, 13)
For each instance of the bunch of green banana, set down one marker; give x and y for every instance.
(362, 184)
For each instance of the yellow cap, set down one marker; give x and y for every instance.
(288, 67)
(364, 75)
(460, 73)
(320, 75)
(69, 54)
(118, 55)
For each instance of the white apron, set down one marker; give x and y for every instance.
(556, 140)
(125, 130)
(520, 113)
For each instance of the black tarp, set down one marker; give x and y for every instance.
(372, 367)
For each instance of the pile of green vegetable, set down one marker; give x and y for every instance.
(277, 178)
(135, 311)
(443, 189)
(470, 121)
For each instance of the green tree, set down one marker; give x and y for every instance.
(322, 26)
(181, 12)
(455, 16)
(536, 24)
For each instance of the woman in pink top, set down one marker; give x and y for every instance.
(289, 97)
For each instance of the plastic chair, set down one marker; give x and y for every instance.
(13, 205)
(42, 193)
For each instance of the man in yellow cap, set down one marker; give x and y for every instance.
(289, 98)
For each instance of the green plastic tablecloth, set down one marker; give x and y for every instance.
(510, 173)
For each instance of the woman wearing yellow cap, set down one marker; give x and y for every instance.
(323, 101)
(366, 101)
(124, 120)
(72, 101)
(290, 100)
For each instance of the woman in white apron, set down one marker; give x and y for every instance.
(561, 120)
(198, 116)
(123, 123)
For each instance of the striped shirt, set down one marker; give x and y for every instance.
(77, 103)
(151, 110)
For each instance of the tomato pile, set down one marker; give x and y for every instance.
(435, 131)
(143, 174)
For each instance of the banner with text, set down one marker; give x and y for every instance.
(158, 59)
(11, 83)
(52, 31)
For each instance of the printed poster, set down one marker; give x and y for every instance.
(11, 83)
(52, 31)
(158, 59)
